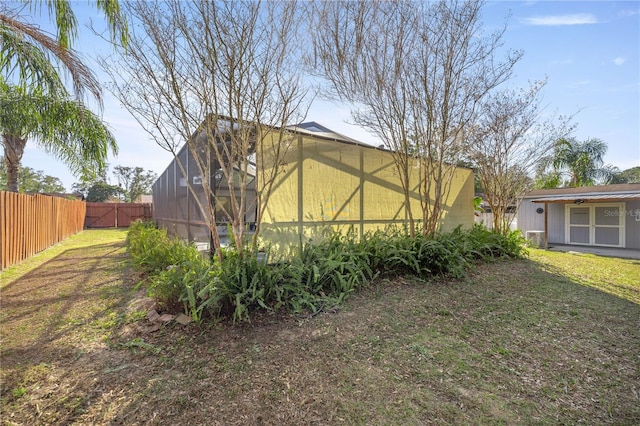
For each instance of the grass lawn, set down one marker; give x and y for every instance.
(554, 339)
(620, 277)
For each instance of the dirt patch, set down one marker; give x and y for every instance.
(512, 344)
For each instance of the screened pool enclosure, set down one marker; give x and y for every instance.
(323, 180)
(176, 208)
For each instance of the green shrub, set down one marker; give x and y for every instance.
(320, 276)
(492, 245)
(148, 246)
(394, 252)
(244, 284)
(177, 272)
(185, 267)
(327, 273)
(199, 294)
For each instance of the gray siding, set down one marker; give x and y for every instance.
(556, 223)
(528, 219)
(632, 224)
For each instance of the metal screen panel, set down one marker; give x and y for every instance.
(176, 207)
(328, 185)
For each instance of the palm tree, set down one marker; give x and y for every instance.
(61, 126)
(576, 163)
(36, 59)
(35, 102)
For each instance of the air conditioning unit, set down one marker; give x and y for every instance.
(535, 238)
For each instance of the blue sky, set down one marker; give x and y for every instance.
(588, 50)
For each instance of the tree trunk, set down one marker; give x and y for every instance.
(13, 150)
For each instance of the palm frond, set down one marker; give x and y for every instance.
(66, 22)
(63, 127)
(29, 51)
(75, 135)
(115, 19)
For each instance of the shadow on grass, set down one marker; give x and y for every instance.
(60, 315)
(514, 343)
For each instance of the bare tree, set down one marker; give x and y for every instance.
(415, 74)
(361, 49)
(221, 77)
(453, 70)
(507, 144)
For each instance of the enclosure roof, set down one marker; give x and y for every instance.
(622, 192)
(317, 130)
(313, 128)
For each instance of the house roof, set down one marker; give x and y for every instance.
(622, 192)
(67, 195)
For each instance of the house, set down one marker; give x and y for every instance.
(324, 181)
(607, 215)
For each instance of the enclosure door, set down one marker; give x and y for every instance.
(595, 224)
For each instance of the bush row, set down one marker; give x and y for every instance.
(322, 275)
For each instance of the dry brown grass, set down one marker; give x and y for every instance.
(513, 344)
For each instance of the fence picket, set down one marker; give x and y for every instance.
(32, 223)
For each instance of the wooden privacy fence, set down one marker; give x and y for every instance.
(32, 223)
(115, 215)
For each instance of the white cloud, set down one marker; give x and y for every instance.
(628, 13)
(576, 19)
(619, 60)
